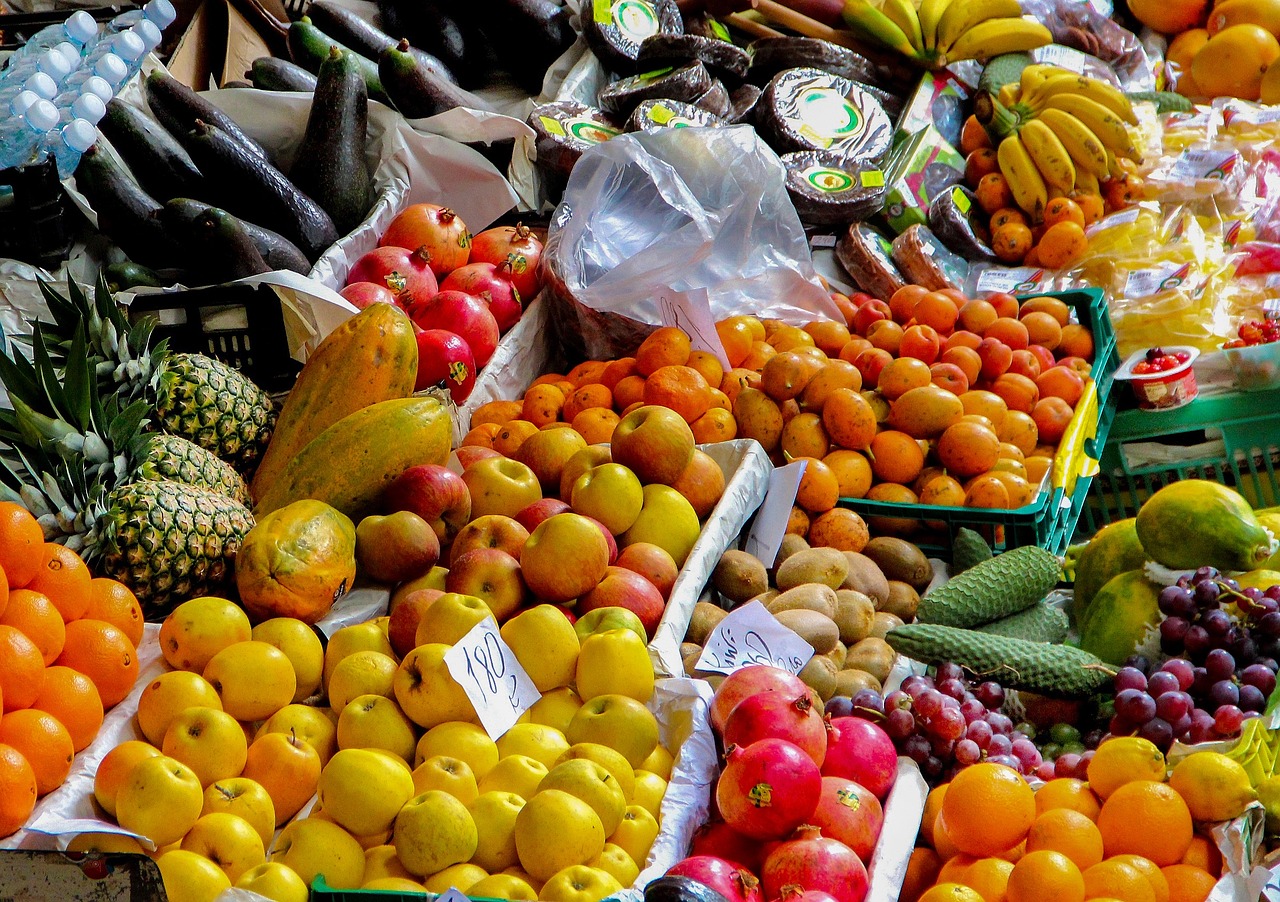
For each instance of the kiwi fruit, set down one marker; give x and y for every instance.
(739, 576)
(873, 655)
(807, 597)
(764, 597)
(691, 663)
(899, 559)
(706, 616)
(689, 648)
(903, 601)
(820, 676)
(883, 622)
(791, 544)
(815, 565)
(853, 616)
(819, 630)
(838, 654)
(849, 682)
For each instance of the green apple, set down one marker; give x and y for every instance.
(611, 494)
(433, 831)
(619, 722)
(450, 617)
(603, 619)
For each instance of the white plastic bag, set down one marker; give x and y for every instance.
(654, 213)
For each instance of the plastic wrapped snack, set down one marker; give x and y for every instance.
(924, 260)
(868, 257)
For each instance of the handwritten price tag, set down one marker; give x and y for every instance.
(691, 311)
(766, 533)
(751, 635)
(487, 670)
(452, 894)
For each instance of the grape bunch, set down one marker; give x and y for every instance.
(1195, 622)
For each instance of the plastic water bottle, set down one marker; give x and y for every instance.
(126, 45)
(38, 83)
(22, 102)
(51, 62)
(88, 107)
(109, 67)
(19, 137)
(159, 12)
(149, 32)
(95, 85)
(79, 28)
(66, 145)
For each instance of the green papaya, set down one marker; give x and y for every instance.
(1113, 550)
(1197, 523)
(1123, 619)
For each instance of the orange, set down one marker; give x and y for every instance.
(1045, 877)
(902, 375)
(1147, 868)
(1115, 879)
(34, 614)
(967, 449)
(616, 371)
(735, 338)
(71, 697)
(943, 844)
(1063, 244)
(666, 346)
(1203, 854)
(44, 742)
(760, 353)
(542, 405)
(498, 412)
(21, 669)
(839, 528)
(828, 335)
(481, 436)
(1170, 16)
(508, 439)
(988, 809)
(922, 873)
(1063, 209)
(1091, 206)
(1069, 832)
(980, 162)
(114, 770)
(954, 869)
(989, 877)
(587, 373)
(103, 653)
(628, 391)
(1187, 883)
(819, 489)
(587, 397)
(994, 193)
(547, 379)
(932, 808)
(114, 603)
(951, 892)
(896, 457)
(1066, 792)
(1146, 818)
(708, 365)
(1011, 242)
(716, 425)
(21, 544)
(1051, 416)
(63, 577)
(849, 419)
(681, 388)
(1004, 216)
(853, 472)
(17, 790)
(596, 425)
(973, 136)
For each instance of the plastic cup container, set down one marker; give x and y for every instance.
(1164, 390)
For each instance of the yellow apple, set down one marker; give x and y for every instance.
(580, 883)
(287, 767)
(545, 644)
(636, 834)
(309, 724)
(376, 722)
(495, 814)
(655, 442)
(609, 759)
(504, 886)
(228, 841)
(660, 763)
(450, 617)
(610, 618)
(362, 673)
(667, 520)
(313, 846)
(518, 774)
(253, 679)
(591, 783)
(363, 791)
(555, 830)
(615, 861)
(542, 743)
(245, 798)
(565, 556)
(521, 874)
(208, 741)
(459, 739)
(461, 876)
(105, 844)
(491, 531)
(274, 881)
(189, 877)
(620, 722)
(381, 861)
(301, 646)
(114, 770)
(547, 453)
(500, 485)
(609, 493)
(198, 629)
(615, 662)
(367, 841)
(650, 788)
(167, 696)
(351, 639)
(395, 884)
(451, 775)
(588, 458)
(160, 799)
(433, 831)
(555, 709)
(426, 691)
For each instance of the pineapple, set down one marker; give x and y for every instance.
(190, 395)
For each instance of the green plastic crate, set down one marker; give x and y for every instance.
(323, 892)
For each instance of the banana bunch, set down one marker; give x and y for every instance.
(938, 32)
(1061, 133)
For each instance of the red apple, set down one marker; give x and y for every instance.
(402, 627)
(405, 273)
(362, 294)
(491, 284)
(445, 357)
(654, 442)
(622, 588)
(470, 455)
(564, 558)
(653, 563)
(535, 513)
(435, 493)
(608, 539)
(490, 531)
(463, 314)
(489, 574)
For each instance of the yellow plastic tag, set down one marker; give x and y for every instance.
(552, 126)
(872, 178)
(602, 11)
(961, 199)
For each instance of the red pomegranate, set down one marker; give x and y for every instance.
(363, 294)
(815, 862)
(768, 788)
(728, 879)
(749, 681)
(445, 357)
(859, 750)
(436, 232)
(517, 247)
(849, 812)
(778, 715)
(722, 841)
(463, 314)
(491, 284)
(794, 893)
(404, 273)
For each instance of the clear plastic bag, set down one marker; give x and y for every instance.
(650, 214)
(1084, 28)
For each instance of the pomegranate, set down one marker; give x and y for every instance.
(404, 273)
(815, 862)
(363, 294)
(435, 232)
(794, 893)
(491, 284)
(514, 246)
(722, 841)
(850, 813)
(445, 357)
(463, 314)
(859, 750)
(778, 715)
(728, 879)
(749, 681)
(768, 788)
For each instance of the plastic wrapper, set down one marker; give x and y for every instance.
(1089, 28)
(649, 214)
(1199, 172)
(1079, 56)
(924, 260)
(940, 101)
(868, 257)
(918, 170)
(808, 109)
(1184, 130)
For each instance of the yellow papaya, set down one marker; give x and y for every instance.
(1196, 523)
(1123, 619)
(1113, 550)
(296, 562)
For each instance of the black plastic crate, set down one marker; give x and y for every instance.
(35, 216)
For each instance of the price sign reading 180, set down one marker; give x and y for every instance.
(487, 670)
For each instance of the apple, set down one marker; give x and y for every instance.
(547, 452)
(228, 841)
(653, 563)
(161, 798)
(209, 741)
(247, 799)
(622, 588)
(274, 881)
(493, 286)
(601, 620)
(491, 575)
(362, 790)
(565, 557)
(608, 539)
(306, 723)
(667, 520)
(545, 643)
(463, 314)
(301, 644)
(610, 493)
(580, 883)
(451, 617)
(589, 457)
(435, 493)
(471, 454)
(702, 483)
(654, 442)
(403, 625)
(445, 357)
(396, 547)
(535, 513)
(313, 846)
(500, 485)
(621, 723)
(490, 531)
(433, 831)
(365, 294)
(187, 875)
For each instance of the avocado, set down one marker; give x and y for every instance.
(528, 35)
(416, 92)
(125, 210)
(309, 47)
(272, 74)
(444, 33)
(177, 107)
(341, 24)
(162, 167)
(122, 276)
(278, 252)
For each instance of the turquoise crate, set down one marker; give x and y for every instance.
(323, 892)
(1050, 520)
(1231, 439)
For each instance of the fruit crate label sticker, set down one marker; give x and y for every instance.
(1065, 57)
(766, 534)
(871, 178)
(751, 635)
(1204, 164)
(718, 29)
(1011, 280)
(819, 242)
(691, 311)
(487, 670)
(1235, 112)
(1123, 217)
(1143, 283)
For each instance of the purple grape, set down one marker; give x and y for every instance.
(916, 748)
(949, 724)
(1253, 593)
(1201, 718)
(991, 694)
(967, 752)
(1268, 662)
(1172, 706)
(1173, 634)
(1223, 692)
(1260, 676)
(1230, 585)
(1204, 574)
(1269, 604)
(1273, 593)
(941, 747)
(1252, 699)
(1162, 682)
(1000, 723)
(1201, 683)
(948, 671)
(1093, 739)
(932, 766)
(1199, 733)
(1066, 765)
(1220, 665)
(972, 710)
(868, 699)
(1135, 706)
(839, 706)
(1007, 760)
(1207, 594)
(952, 688)
(1137, 662)
(1250, 715)
(1045, 771)
(929, 704)
(1228, 720)
(1182, 725)
(1176, 601)
(1197, 641)
(897, 699)
(1158, 732)
(1243, 648)
(1118, 726)
(949, 702)
(999, 745)
(1269, 625)
(980, 732)
(1026, 752)
(1216, 623)
(1130, 678)
(1182, 669)
(899, 724)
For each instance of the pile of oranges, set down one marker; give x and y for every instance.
(988, 837)
(68, 653)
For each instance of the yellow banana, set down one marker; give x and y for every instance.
(1009, 94)
(865, 18)
(931, 12)
(903, 14)
(1028, 187)
(1086, 150)
(1099, 120)
(1101, 92)
(996, 36)
(1035, 75)
(1114, 169)
(1087, 182)
(1050, 157)
(962, 15)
